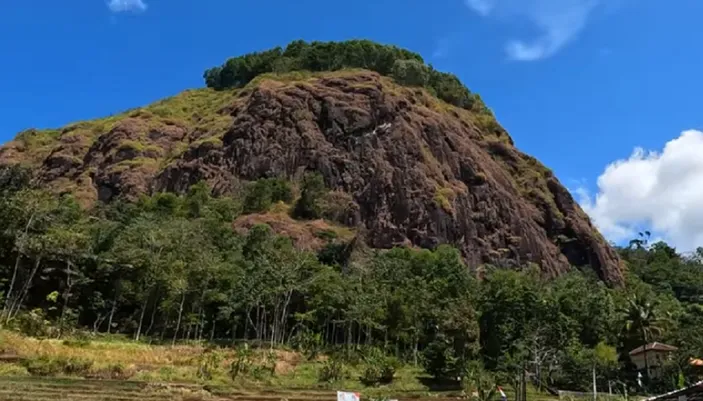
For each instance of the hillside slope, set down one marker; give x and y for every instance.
(419, 171)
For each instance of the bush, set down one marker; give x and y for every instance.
(440, 360)
(410, 72)
(265, 192)
(378, 374)
(113, 372)
(308, 343)
(333, 370)
(326, 235)
(379, 369)
(52, 366)
(208, 363)
(340, 207)
(245, 363)
(308, 206)
(79, 341)
(480, 383)
(242, 363)
(448, 88)
(33, 324)
(334, 254)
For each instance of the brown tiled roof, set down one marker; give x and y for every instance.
(653, 347)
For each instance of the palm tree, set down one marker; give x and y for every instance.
(643, 322)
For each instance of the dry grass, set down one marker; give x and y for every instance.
(103, 352)
(306, 235)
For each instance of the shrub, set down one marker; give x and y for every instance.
(115, 371)
(326, 235)
(48, 366)
(265, 192)
(333, 370)
(448, 88)
(242, 363)
(340, 207)
(245, 363)
(308, 206)
(480, 383)
(33, 324)
(308, 343)
(334, 254)
(410, 72)
(78, 342)
(441, 361)
(379, 369)
(208, 363)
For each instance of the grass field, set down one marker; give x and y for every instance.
(116, 369)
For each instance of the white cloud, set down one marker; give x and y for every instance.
(483, 7)
(441, 48)
(662, 191)
(119, 6)
(560, 22)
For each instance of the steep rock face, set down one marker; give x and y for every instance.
(420, 172)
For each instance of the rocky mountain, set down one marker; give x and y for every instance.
(403, 167)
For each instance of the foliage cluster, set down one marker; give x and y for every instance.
(407, 67)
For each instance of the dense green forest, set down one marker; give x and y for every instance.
(170, 268)
(403, 65)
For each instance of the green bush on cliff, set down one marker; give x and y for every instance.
(308, 206)
(411, 72)
(265, 192)
(407, 67)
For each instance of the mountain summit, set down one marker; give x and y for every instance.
(408, 154)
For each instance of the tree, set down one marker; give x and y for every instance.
(643, 323)
(308, 206)
(410, 72)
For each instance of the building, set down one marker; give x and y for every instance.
(652, 355)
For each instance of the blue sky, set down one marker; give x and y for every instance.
(579, 84)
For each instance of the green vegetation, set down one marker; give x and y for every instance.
(165, 289)
(312, 192)
(405, 66)
(265, 192)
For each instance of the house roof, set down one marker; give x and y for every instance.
(655, 346)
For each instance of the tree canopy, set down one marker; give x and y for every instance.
(406, 67)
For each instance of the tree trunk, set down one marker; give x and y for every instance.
(415, 347)
(96, 324)
(212, 330)
(25, 289)
(112, 313)
(153, 315)
(595, 389)
(69, 285)
(17, 266)
(180, 315)
(141, 320)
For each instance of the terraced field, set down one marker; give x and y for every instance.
(53, 389)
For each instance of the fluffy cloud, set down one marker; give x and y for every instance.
(560, 22)
(662, 191)
(119, 6)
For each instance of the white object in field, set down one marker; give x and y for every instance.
(347, 396)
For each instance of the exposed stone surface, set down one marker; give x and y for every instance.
(420, 172)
